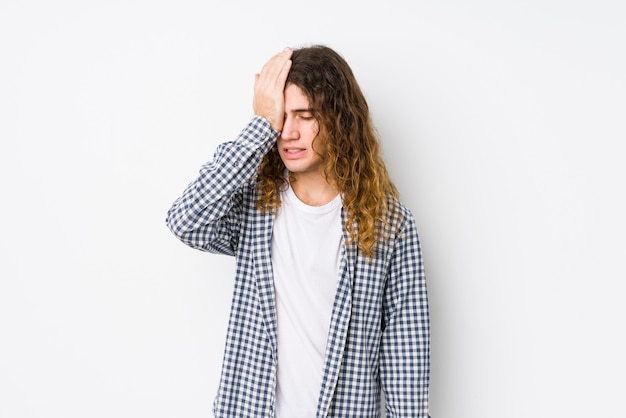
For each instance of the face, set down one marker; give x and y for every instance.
(295, 144)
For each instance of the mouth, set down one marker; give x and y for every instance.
(293, 150)
(293, 153)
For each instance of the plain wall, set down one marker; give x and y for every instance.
(502, 123)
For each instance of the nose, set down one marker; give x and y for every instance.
(290, 129)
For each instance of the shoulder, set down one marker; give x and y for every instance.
(395, 226)
(398, 214)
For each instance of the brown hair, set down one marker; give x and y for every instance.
(352, 161)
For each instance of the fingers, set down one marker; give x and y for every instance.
(274, 72)
(269, 88)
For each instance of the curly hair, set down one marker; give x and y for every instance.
(352, 161)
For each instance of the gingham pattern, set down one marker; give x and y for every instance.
(379, 334)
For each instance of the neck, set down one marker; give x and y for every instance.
(313, 189)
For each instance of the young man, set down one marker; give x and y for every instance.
(330, 301)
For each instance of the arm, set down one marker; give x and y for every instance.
(405, 344)
(207, 215)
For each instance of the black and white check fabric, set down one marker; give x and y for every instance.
(379, 333)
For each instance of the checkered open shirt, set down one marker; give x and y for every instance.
(379, 332)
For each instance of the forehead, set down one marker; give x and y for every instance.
(295, 99)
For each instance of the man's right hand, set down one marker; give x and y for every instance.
(269, 87)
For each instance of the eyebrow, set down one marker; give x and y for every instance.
(301, 111)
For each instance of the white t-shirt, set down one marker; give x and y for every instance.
(306, 245)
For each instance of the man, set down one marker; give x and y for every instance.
(330, 302)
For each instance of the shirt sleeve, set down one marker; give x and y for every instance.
(208, 214)
(405, 344)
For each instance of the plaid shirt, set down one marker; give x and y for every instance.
(379, 332)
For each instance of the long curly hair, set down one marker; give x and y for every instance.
(352, 161)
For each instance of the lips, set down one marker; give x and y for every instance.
(293, 152)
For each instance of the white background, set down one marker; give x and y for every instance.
(502, 123)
